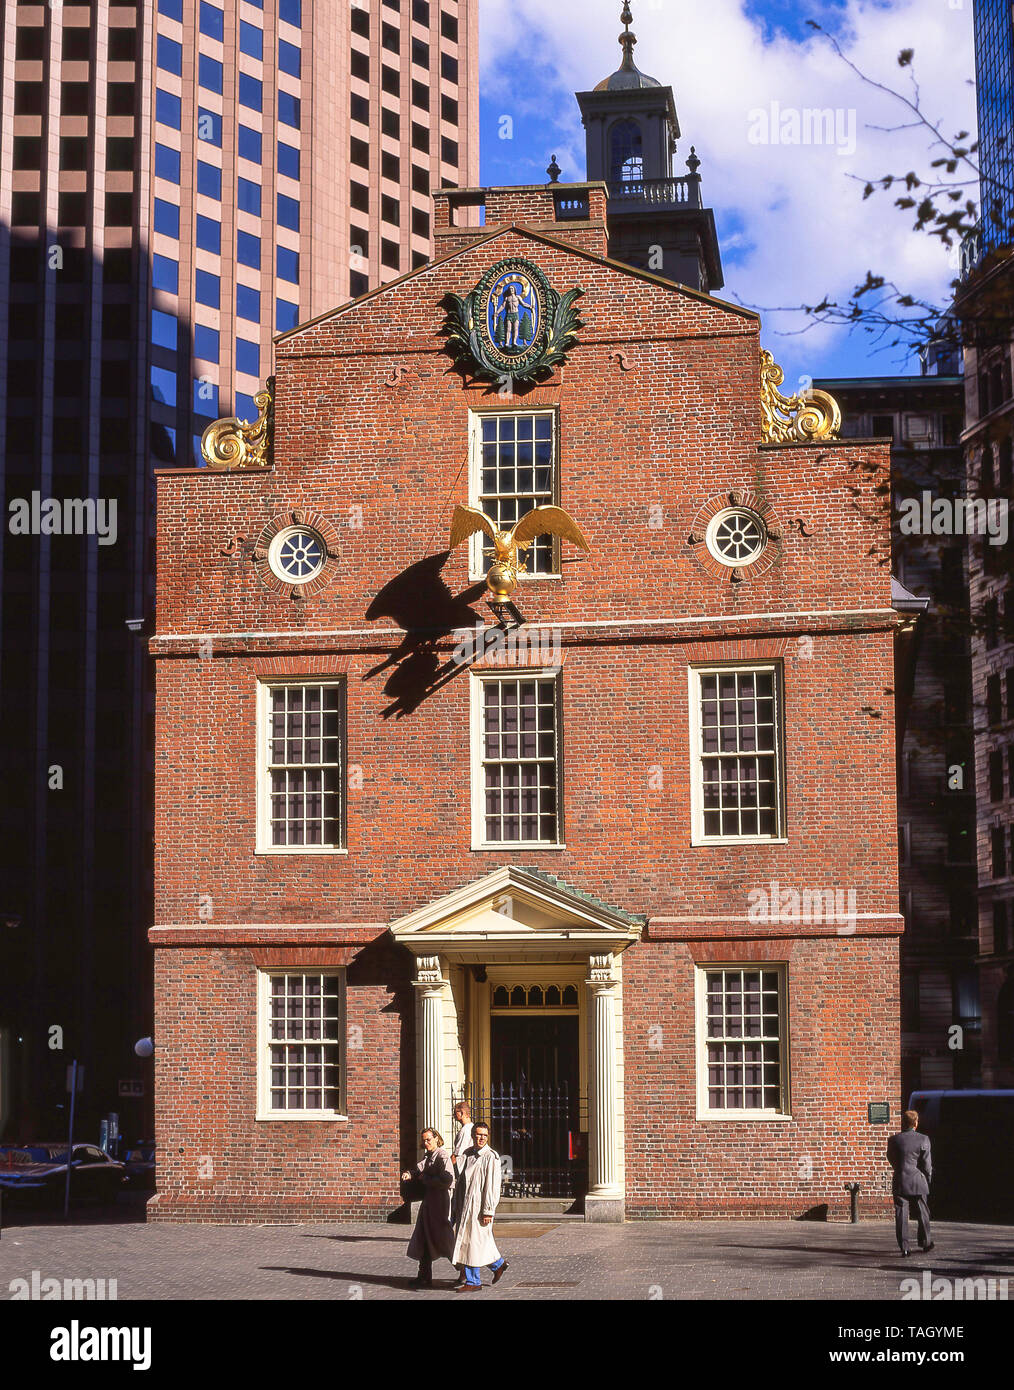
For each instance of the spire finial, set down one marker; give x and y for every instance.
(693, 163)
(554, 171)
(628, 38)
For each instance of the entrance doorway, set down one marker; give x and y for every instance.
(534, 1104)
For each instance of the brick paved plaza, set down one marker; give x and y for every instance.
(744, 1260)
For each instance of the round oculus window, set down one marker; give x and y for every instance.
(297, 555)
(736, 536)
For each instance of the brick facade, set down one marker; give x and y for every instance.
(658, 416)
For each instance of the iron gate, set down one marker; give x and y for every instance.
(536, 1131)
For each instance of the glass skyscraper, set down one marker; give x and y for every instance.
(994, 79)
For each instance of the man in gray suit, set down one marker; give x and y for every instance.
(909, 1155)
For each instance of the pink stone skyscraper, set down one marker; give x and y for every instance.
(179, 180)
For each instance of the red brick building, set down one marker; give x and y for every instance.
(647, 853)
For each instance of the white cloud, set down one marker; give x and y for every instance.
(793, 225)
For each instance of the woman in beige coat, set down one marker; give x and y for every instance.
(433, 1236)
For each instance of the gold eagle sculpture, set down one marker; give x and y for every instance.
(502, 576)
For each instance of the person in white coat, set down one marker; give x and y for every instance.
(476, 1199)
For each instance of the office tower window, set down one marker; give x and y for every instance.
(248, 196)
(448, 150)
(209, 126)
(205, 398)
(251, 40)
(359, 65)
(122, 45)
(288, 109)
(359, 109)
(361, 23)
(251, 92)
(358, 284)
(998, 852)
(390, 81)
(287, 264)
(209, 234)
(449, 27)
(289, 58)
(994, 705)
(420, 222)
(359, 197)
(449, 110)
(421, 11)
(420, 137)
(76, 45)
(212, 21)
(248, 250)
(169, 55)
(288, 212)
(209, 180)
(390, 37)
(996, 775)
(418, 258)
(167, 163)
(359, 152)
(168, 109)
(163, 386)
(27, 151)
(288, 161)
(291, 11)
(248, 303)
(73, 152)
(420, 53)
(207, 288)
(286, 315)
(420, 95)
(248, 357)
(389, 211)
(120, 98)
(420, 180)
(246, 406)
(206, 343)
(390, 253)
(165, 274)
(359, 242)
(172, 9)
(390, 167)
(390, 123)
(119, 153)
(249, 144)
(209, 73)
(28, 98)
(448, 67)
(163, 329)
(30, 45)
(167, 219)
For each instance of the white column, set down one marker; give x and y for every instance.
(431, 988)
(605, 1194)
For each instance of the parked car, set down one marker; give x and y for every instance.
(39, 1172)
(139, 1163)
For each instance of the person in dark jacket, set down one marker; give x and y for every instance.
(433, 1236)
(911, 1159)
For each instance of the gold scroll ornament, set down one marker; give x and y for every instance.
(233, 444)
(794, 419)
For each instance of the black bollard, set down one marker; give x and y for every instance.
(853, 1189)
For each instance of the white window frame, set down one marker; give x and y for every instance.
(477, 681)
(264, 1110)
(475, 418)
(694, 673)
(704, 1111)
(263, 837)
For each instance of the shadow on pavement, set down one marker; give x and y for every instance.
(384, 1281)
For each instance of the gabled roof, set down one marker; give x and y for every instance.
(503, 229)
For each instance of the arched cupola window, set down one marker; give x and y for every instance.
(626, 161)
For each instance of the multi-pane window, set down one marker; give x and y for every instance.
(738, 755)
(302, 1032)
(742, 1039)
(303, 733)
(517, 777)
(513, 470)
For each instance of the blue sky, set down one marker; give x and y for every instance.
(792, 222)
